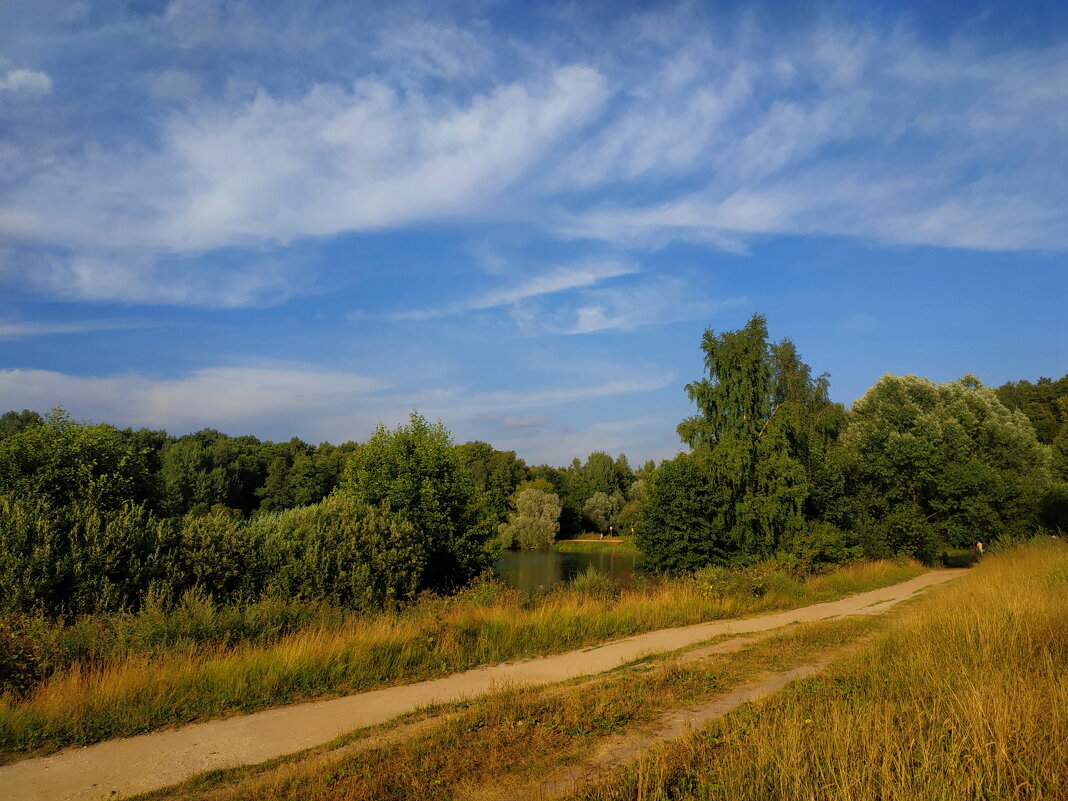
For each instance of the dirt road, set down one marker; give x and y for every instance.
(124, 767)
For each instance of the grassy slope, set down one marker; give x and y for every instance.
(140, 691)
(967, 699)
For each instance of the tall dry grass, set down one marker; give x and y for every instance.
(485, 624)
(966, 699)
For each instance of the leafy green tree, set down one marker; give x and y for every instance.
(209, 467)
(415, 471)
(675, 532)
(602, 473)
(637, 495)
(603, 509)
(13, 422)
(495, 474)
(1045, 403)
(928, 465)
(66, 462)
(760, 434)
(748, 414)
(563, 485)
(535, 521)
(190, 475)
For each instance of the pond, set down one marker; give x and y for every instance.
(525, 570)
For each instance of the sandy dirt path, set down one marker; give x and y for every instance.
(124, 767)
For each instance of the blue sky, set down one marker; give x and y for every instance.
(305, 218)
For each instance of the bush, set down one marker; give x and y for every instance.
(342, 551)
(820, 546)
(81, 559)
(415, 471)
(595, 584)
(20, 667)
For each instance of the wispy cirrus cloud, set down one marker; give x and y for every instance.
(639, 302)
(18, 329)
(680, 123)
(334, 159)
(668, 301)
(836, 130)
(263, 279)
(559, 279)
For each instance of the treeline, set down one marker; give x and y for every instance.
(94, 518)
(177, 475)
(775, 469)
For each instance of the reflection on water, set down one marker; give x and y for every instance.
(526, 570)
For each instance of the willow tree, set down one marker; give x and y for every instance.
(760, 420)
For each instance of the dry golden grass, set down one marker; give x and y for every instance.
(966, 699)
(485, 625)
(499, 743)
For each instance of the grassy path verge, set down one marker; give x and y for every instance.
(502, 746)
(159, 759)
(966, 699)
(487, 625)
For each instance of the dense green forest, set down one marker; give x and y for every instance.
(95, 518)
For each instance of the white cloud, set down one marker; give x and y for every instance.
(672, 125)
(178, 281)
(237, 398)
(25, 82)
(556, 397)
(657, 300)
(425, 48)
(280, 400)
(843, 131)
(273, 169)
(20, 329)
(559, 279)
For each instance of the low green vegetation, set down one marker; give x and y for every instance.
(625, 545)
(966, 698)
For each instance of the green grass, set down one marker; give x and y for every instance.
(626, 545)
(142, 687)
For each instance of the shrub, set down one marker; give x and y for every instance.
(415, 471)
(20, 667)
(595, 584)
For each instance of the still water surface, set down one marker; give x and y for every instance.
(526, 570)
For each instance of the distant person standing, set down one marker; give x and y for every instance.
(979, 550)
(611, 531)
